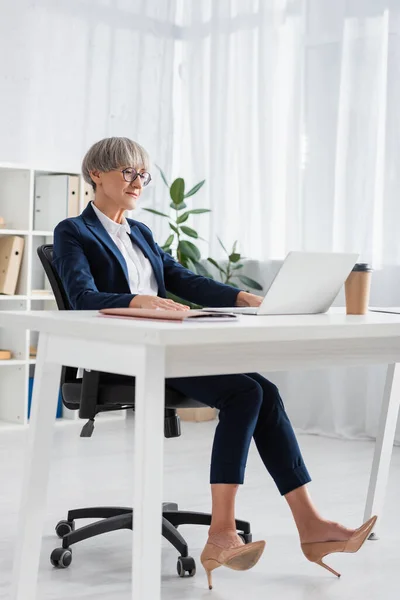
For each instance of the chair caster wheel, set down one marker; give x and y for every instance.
(185, 565)
(246, 537)
(61, 558)
(64, 528)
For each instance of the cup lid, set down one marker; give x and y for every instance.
(362, 267)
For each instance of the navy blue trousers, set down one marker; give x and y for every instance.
(249, 407)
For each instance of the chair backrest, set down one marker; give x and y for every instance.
(45, 254)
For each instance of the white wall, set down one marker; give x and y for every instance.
(74, 71)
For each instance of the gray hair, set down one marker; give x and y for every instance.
(113, 153)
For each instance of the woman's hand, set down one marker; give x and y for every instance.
(246, 299)
(140, 301)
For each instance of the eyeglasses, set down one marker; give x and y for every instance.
(130, 174)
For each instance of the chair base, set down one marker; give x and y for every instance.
(113, 518)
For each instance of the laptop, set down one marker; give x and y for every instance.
(307, 283)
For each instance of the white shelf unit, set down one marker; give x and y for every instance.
(17, 207)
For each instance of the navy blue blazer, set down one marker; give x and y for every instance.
(95, 275)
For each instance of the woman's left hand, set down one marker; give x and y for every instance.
(246, 299)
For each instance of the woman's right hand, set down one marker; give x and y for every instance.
(140, 301)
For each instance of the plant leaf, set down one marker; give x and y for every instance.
(163, 176)
(180, 206)
(223, 247)
(195, 189)
(189, 250)
(214, 262)
(182, 218)
(198, 211)
(168, 241)
(234, 257)
(236, 267)
(174, 228)
(234, 247)
(191, 265)
(183, 259)
(201, 270)
(177, 191)
(189, 231)
(250, 282)
(156, 212)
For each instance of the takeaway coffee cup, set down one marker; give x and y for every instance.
(357, 289)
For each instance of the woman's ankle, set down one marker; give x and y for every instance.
(309, 526)
(322, 530)
(221, 530)
(225, 538)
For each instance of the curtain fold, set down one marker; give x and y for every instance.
(288, 111)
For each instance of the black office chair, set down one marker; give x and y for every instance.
(90, 396)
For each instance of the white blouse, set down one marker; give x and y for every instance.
(141, 276)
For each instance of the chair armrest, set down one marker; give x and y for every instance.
(89, 395)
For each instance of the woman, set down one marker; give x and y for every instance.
(106, 260)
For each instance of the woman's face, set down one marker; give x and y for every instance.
(112, 186)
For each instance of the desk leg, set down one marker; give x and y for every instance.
(148, 475)
(36, 469)
(384, 444)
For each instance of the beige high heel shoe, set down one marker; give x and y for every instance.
(316, 551)
(239, 558)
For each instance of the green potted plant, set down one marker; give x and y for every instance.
(229, 271)
(180, 241)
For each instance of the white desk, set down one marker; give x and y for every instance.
(152, 351)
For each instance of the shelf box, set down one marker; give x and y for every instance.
(11, 254)
(56, 198)
(15, 190)
(88, 194)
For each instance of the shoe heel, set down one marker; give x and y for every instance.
(209, 579)
(209, 566)
(328, 568)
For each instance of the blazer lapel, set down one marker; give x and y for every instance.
(97, 228)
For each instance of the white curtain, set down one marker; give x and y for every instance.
(240, 77)
(290, 111)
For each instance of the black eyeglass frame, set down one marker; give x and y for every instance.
(137, 174)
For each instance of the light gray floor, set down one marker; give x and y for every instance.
(98, 471)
